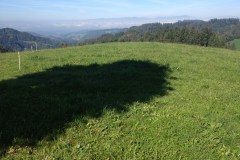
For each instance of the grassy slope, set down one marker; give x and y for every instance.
(198, 119)
(237, 43)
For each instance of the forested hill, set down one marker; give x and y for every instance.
(13, 40)
(216, 32)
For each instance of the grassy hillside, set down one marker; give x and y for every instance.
(121, 101)
(236, 42)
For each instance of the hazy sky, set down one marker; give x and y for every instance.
(91, 9)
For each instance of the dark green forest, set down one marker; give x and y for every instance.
(214, 33)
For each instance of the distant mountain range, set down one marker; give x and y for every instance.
(221, 31)
(50, 34)
(88, 34)
(13, 40)
(57, 28)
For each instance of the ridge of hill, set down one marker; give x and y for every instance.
(215, 33)
(12, 40)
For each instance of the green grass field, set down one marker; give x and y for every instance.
(237, 43)
(121, 101)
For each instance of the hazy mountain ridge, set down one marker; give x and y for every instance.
(89, 34)
(57, 28)
(13, 40)
(215, 32)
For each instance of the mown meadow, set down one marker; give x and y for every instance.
(121, 101)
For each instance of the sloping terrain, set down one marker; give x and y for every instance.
(121, 101)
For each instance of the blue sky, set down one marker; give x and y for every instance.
(91, 9)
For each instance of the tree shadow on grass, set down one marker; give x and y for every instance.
(39, 105)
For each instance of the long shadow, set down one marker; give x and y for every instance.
(39, 105)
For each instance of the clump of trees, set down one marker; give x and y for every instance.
(63, 45)
(3, 49)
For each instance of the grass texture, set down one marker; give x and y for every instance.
(121, 101)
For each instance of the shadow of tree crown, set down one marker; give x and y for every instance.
(37, 105)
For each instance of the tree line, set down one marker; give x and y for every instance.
(214, 33)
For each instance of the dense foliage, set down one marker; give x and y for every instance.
(215, 32)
